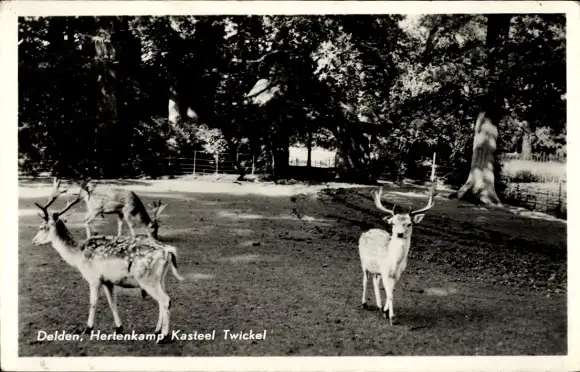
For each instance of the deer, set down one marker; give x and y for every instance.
(110, 262)
(126, 205)
(384, 256)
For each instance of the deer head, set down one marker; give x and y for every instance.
(51, 225)
(402, 223)
(156, 208)
(86, 189)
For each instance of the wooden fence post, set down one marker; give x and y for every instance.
(217, 159)
(433, 167)
(194, 159)
(559, 199)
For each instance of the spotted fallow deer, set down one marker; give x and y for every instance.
(110, 261)
(126, 205)
(384, 255)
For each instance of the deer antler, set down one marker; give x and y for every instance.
(157, 208)
(430, 203)
(78, 199)
(55, 190)
(54, 195)
(56, 186)
(51, 199)
(69, 205)
(379, 205)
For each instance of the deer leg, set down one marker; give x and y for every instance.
(164, 290)
(161, 310)
(166, 305)
(94, 296)
(376, 282)
(152, 291)
(389, 283)
(364, 294)
(129, 222)
(157, 292)
(112, 299)
(119, 223)
(159, 320)
(88, 218)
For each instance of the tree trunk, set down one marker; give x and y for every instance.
(173, 108)
(239, 166)
(309, 147)
(480, 184)
(352, 156)
(108, 141)
(526, 151)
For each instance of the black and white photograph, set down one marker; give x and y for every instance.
(237, 179)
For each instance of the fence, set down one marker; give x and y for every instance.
(539, 196)
(205, 163)
(315, 163)
(549, 198)
(536, 157)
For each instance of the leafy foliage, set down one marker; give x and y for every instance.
(101, 95)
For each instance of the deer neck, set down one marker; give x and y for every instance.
(144, 217)
(66, 246)
(399, 246)
(92, 201)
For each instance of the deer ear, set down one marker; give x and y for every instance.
(389, 220)
(55, 217)
(418, 218)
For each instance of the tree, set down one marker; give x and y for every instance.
(480, 184)
(385, 92)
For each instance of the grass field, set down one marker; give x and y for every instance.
(284, 259)
(534, 171)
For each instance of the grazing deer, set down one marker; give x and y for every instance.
(109, 261)
(384, 256)
(126, 205)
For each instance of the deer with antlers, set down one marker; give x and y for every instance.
(109, 261)
(126, 205)
(384, 256)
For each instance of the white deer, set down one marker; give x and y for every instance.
(384, 256)
(109, 261)
(126, 205)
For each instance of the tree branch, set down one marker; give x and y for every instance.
(261, 59)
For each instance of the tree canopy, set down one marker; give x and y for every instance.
(101, 96)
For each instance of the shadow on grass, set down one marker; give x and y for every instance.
(42, 181)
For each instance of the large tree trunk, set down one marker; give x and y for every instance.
(173, 108)
(480, 185)
(107, 137)
(281, 153)
(57, 148)
(526, 150)
(309, 147)
(353, 151)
